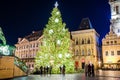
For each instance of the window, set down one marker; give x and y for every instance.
(88, 41)
(107, 42)
(118, 52)
(117, 9)
(76, 42)
(106, 53)
(89, 52)
(111, 42)
(112, 53)
(118, 30)
(82, 52)
(82, 41)
(76, 53)
(115, 42)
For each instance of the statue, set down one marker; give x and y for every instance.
(4, 49)
(2, 38)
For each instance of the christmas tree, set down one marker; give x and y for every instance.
(55, 50)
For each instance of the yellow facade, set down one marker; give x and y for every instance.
(111, 50)
(85, 47)
(8, 69)
(27, 47)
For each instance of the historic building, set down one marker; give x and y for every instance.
(115, 15)
(86, 45)
(111, 50)
(111, 42)
(27, 47)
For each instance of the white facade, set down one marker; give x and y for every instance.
(115, 16)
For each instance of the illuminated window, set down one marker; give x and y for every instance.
(106, 53)
(89, 52)
(82, 52)
(112, 53)
(76, 53)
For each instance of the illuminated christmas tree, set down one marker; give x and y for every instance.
(55, 50)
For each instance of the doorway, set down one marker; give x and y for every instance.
(83, 65)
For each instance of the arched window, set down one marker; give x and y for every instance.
(117, 9)
(82, 41)
(89, 53)
(88, 41)
(82, 53)
(76, 41)
(76, 53)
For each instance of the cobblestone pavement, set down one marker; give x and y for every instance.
(80, 76)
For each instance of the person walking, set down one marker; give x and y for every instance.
(89, 69)
(92, 70)
(50, 69)
(60, 69)
(86, 70)
(41, 70)
(63, 70)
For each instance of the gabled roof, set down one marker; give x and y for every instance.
(35, 35)
(85, 24)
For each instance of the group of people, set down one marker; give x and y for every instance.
(45, 70)
(48, 70)
(89, 70)
(62, 69)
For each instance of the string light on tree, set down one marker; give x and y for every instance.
(50, 31)
(56, 20)
(57, 40)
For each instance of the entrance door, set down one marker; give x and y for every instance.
(83, 65)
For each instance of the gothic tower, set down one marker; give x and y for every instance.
(115, 16)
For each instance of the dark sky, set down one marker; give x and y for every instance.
(19, 18)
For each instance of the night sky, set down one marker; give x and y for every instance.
(19, 18)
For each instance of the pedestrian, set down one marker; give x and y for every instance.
(86, 70)
(44, 70)
(60, 69)
(47, 68)
(89, 69)
(50, 69)
(63, 70)
(41, 70)
(92, 70)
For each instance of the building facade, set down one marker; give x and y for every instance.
(86, 45)
(27, 47)
(111, 42)
(115, 15)
(111, 50)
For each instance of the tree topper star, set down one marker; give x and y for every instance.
(56, 4)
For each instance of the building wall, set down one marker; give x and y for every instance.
(8, 69)
(6, 66)
(26, 50)
(111, 50)
(85, 47)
